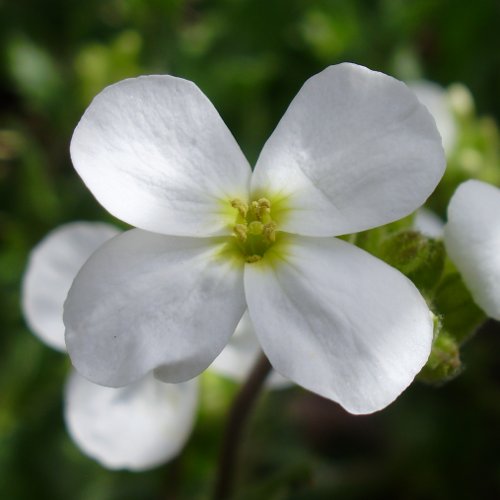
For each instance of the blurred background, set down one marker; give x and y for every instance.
(250, 58)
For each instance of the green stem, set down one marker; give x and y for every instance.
(238, 415)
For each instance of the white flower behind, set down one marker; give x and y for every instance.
(239, 356)
(472, 239)
(428, 223)
(52, 266)
(135, 427)
(435, 99)
(354, 150)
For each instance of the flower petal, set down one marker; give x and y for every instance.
(338, 321)
(135, 427)
(472, 239)
(155, 153)
(239, 356)
(146, 302)
(354, 150)
(52, 266)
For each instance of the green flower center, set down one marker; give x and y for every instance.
(254, 228)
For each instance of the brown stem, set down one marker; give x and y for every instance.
(238, 415)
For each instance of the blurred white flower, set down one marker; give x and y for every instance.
(52, 266)
(238, 357)
(472, 239)
(428, 223)
(135, 427)
(435, 99)
(354, 150)
(461, 100)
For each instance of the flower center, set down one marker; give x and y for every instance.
(254, 228)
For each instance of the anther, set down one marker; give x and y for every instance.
(241, 231)
(269, 231)
(264, 202)
(241, 206)
(253, 258)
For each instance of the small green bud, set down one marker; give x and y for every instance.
(460, 315)
(371, 240)
(418, 257)
(444, 361)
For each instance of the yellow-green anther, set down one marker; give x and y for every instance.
(241, 206)
(265, 203)
(256, 227)
(270, 231)
(262, 208)
(241, 231)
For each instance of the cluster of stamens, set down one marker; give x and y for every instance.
(255, 230)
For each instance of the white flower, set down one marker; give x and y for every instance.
(238, 357)
(134, 427)
(435, 99)
(354, 150)
(472, 239)
(52, 266)
(428, 223)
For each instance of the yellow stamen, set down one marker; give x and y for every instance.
(241, 231)
(254, 228)
(265, 203)
(241, 206)
(253, 258)
(269, 231)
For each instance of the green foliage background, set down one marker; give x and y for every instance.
(250, 58)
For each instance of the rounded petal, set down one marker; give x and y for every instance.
(155, 153)
(135, 427)
(52, 266)
(433, 97)
(147, 302)
(472, 240)
(238, 357)
(354, 150)
(338, 321)
(428, 223)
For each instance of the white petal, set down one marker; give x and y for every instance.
(428, 223)
(52, 266)
(135, 427)
(354, 150)
(338, 321)
(146, 302)
(155, 153)
(433, 97)
(239, 356)
(472, 239)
